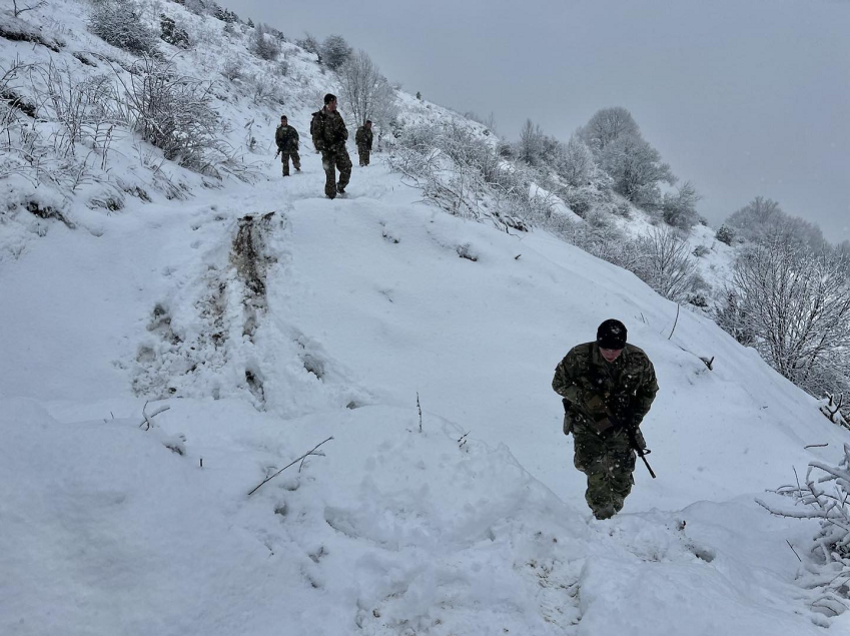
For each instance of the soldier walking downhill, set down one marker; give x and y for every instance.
(329, 135)
(363, 139)
(608, 387)
(286, 138)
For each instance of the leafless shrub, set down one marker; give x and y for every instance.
(175, 113)
(797, 303)
(824, 496)
(232, 69)
(665, 263)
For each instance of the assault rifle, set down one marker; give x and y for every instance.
(631, 431)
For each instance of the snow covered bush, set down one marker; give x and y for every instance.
(679, 209)
(175, 113)
(232, 69)
(825, 496)
(797, 303)
(576, 164)
(335, 52)
(264, 45)
(171, 33)
(666, 264)
(311, 45)
(119, 23)
(725, 235)
(464, 175)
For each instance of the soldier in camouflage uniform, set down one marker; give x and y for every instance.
(607, 385)
(329, 135)
(286, 138)
(363, 139)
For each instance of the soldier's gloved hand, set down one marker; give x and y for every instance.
(640, 440)
(594, 402)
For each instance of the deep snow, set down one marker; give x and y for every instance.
(475, 525)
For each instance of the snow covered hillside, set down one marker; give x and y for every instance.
(270, 321)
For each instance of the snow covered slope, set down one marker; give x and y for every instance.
(266, 337)
(367, 301)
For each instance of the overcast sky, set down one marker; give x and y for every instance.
(742, 97)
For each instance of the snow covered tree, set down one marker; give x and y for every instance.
(119, 23)
(534, 147)
(264, 45)
(335, 51)
(679, 209)
(575, 163)
(365, 91)
(797, 301)
(762, 216)
(755, 219)
(606, 126)
(636, 168)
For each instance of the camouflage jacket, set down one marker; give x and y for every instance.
(328, 130)
(598, 391)
(286, 138)
(363, 138)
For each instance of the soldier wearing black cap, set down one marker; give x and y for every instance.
(607, 386)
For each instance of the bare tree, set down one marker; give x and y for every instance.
(666, 263)
(365, 91)
(798, 304)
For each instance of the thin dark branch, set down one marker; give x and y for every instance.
(678, 309)
(292, 463)
(793, 550)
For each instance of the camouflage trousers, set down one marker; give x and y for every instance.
(364, 153)
(608, 461)
(296, 161)
(333, 160)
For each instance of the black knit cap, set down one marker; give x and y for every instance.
(611, 334)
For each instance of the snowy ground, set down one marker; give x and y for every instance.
(328, 321)
(476, 525)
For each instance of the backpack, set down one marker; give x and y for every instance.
(316, 126)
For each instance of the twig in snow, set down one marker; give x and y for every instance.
(305, 455)
(147, 422)
(815, 446)
(678, 309)
(793, 550)
(419, 406)
(709, 362)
